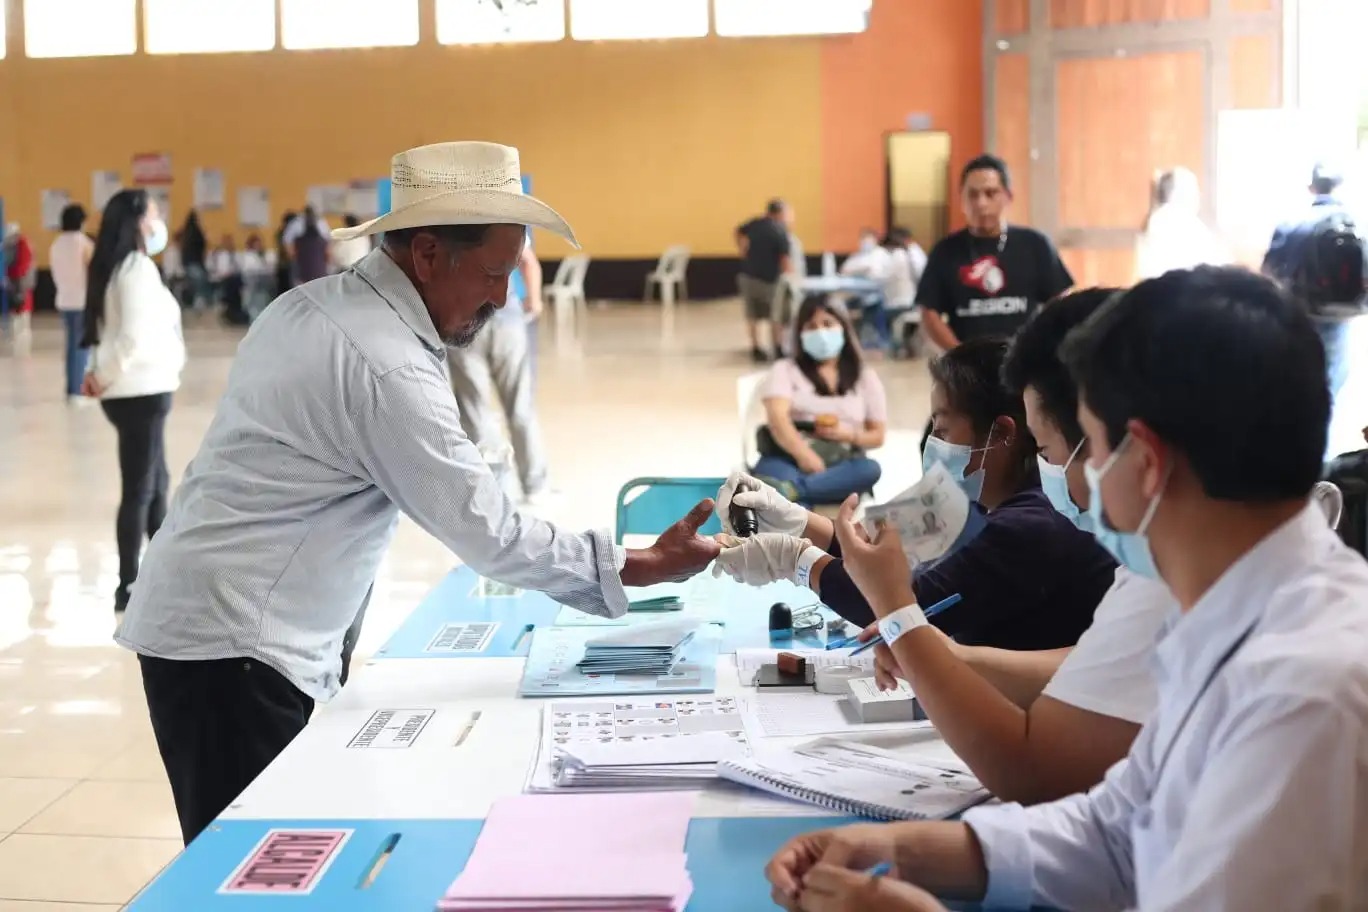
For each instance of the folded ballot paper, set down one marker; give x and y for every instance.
(646, 649)
(634, 860)
(683, 762)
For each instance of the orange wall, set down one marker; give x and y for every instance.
(919, 56)
(640, 144)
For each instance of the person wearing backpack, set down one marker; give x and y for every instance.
(1321, 256)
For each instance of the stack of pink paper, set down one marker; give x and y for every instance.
(581, 853)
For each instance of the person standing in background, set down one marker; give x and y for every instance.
(194, 259)
(226, 278)
(69, 258)
(345, 253)
(255, 267)
(499, 363)
(20, 274)
(989, 277)
(284, 268)
(173, 271)
(764, 246)
(133, 325)
(306, 239)
(1174, 235)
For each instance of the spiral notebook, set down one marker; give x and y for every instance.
(859, 780)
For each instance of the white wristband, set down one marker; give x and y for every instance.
(901, 622)
(803, 572)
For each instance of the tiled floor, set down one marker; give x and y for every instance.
(85, 812)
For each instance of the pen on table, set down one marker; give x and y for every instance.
(469, 727)
(947, 602)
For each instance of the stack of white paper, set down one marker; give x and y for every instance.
(616, 853)
(687, 761)
(645, 649)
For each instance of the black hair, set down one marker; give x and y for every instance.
(971, 376)
(73, 217)
(898, 236)
(774, 207)
(849, 363)
(987, 163)
(351, 221)
(194, 246)
(1222, 365)
(120, 236)
(1325, 178)
(1033, 359)
(310, 223)
(457, 237)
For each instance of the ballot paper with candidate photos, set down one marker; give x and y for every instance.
(933, 517)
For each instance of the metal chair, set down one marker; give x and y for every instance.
(649, 506)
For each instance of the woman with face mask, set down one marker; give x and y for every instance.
(1027, 577)
(133, 328)
(824, 409)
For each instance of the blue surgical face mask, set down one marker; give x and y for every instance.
(823, 344)
(1131, 549)
(1054, 480)
(154, 242)
(956, 458)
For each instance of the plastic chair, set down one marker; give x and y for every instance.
(566, 295)
(649, 506)
(750, 412)
(671, 275)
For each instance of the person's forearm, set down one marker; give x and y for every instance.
(943, 857)
(868, 438)
(937, 330)
(839, 593)
(1020, 676)
(820, 531)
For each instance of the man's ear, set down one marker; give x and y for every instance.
(1155, 454)
(1005, 429)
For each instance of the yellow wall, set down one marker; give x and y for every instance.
(639, 144)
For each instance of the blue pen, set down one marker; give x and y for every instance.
(883, 869)
(947, 602)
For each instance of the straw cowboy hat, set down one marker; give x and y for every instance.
(459, 183)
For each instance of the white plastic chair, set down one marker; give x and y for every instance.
(566, 295)
(671, 275)
(750, 409)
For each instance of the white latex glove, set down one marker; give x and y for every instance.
(766, 558)
(773, 511)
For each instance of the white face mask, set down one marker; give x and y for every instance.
(867, 244)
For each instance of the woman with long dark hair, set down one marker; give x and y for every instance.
(133, 328)
(194, 256)
(824, 409)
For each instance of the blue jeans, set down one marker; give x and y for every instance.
(1334, 336)
(874, 313)
(833, 486)
(76, 357)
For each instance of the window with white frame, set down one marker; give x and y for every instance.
(208, 26)
(310, 24)
(596, 20)
(742, 18)
(80, 28)
(499, 21)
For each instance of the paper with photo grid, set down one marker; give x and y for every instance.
(567, 724)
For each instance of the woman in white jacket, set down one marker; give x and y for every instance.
(133, 327)
(1174, 235)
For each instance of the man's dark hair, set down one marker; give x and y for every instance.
(350, 221)
(1033, 359)
(73, 217)
(987, 163)
(453, 237)
(774, 207)
(1325, 178)
(1222, 365)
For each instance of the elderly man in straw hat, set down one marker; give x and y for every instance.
(338, 415)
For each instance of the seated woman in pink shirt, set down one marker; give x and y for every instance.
(824, 409)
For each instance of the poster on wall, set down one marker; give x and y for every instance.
(254, 207)
(328, 199)
(363, 199)
(162, 197)
(103, 185)
(151, 168)
(53, 202)
(209, 188)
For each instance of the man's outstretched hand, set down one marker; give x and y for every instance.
(677, 555)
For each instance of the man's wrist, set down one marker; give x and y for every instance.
(641, 568)
(807, 560)
(894, 626)
(884, 604)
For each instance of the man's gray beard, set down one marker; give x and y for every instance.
(472, 329)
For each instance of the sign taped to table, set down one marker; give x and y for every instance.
(392, 728)
(287, 861)
(465, 636)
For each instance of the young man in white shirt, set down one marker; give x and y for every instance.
(1204, 401)
(69, 259)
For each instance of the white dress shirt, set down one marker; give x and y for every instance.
(1175, 239)
(905, 268)
(1111, 670)
(1248, 789)
(338, 414)
(69, 259)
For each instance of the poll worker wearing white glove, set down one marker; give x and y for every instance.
(784, 548)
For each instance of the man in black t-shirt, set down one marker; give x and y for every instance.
(764, 246)
(988, 278)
